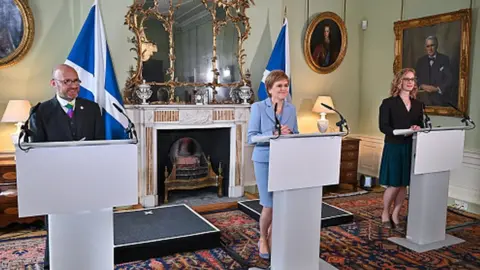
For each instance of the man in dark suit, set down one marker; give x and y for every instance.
(434, 75)
(66, 117)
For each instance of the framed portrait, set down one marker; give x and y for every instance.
(16, 31)
(438, 48)
(325, 42)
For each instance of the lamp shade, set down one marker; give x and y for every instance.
(17, 111)
(318, 108)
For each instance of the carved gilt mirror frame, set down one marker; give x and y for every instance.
(16, 31)
(163, 12)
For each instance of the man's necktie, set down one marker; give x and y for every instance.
(70, 110)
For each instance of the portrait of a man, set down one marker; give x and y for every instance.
(325, 42)
(11, 27)
(438, 48)
(434, 76)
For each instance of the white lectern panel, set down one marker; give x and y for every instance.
(438, 151)
(287, 151)
(70, 179)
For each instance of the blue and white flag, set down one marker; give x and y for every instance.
(90, 57)
(279, 59)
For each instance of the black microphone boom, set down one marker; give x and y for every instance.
(278, 127)
(131, 127)
(466, 119)
(24, 128)
(427, 122)
(342, 119)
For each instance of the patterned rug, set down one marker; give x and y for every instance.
(17, 253)
(370, 206)
(360, 245)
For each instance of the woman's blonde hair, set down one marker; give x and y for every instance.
(273, 77)
(397, 80)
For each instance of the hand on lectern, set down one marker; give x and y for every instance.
(415, 128)
(286, 130)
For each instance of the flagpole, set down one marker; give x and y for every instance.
(284, 14)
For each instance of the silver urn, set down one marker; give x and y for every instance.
(144, 92)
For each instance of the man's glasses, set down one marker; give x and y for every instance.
(69, 81)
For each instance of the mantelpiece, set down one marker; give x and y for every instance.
(148, 119)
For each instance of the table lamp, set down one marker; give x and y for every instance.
(17, 112)
(322, 123)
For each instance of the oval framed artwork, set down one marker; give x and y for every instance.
(325, 42)
(16, 31)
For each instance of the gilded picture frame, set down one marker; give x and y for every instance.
(325, 42)
(438, 48)
(17, 31)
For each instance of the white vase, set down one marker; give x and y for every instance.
(322, 123)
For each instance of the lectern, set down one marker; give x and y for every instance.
(77, 184)
(300, 165)
(435, 152)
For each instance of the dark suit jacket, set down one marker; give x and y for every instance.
(394, 115)
(438, 75)
(50, 122)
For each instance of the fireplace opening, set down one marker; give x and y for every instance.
(192, 162)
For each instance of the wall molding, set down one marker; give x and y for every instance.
(471, 157)
(463, 182)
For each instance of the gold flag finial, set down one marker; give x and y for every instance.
(284, 14)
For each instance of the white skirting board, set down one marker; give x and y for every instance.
(463, 182)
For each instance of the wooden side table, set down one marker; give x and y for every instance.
(349, 162)
(8, 195)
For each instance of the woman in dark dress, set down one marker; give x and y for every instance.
(400, 111)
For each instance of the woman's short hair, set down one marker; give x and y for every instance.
(273, 77)
(397, 80)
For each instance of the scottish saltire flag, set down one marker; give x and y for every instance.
(90, 57)
(279, 59)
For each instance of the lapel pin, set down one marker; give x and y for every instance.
(81, 107)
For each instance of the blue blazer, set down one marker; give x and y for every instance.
(262, 123)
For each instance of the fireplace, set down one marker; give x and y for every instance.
(219, 129)
(192, 159)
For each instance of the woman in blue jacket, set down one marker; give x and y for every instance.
(262, 123)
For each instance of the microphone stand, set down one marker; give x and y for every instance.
(466, 119)
(426, 122)
(278, 127)
(25, 131)
(342, 121)
(130, 130)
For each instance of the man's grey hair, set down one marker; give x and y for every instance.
(433, 39)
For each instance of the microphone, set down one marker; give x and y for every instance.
(466, 119)
(24, 128)
(426, 122)
(131, 127)
(278, 127)
(342, 119)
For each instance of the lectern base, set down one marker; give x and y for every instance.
(449, 241)
(323, 265)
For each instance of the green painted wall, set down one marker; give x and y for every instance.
(378, 52)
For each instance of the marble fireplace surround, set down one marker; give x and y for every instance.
(150, 118)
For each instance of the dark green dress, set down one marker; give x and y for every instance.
(397, 152)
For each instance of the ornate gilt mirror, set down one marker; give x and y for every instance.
(16, 31)
(188, 48)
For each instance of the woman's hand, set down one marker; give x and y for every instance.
(285, 130)
(415, 128)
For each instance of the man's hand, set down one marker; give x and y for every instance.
(429, 88)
